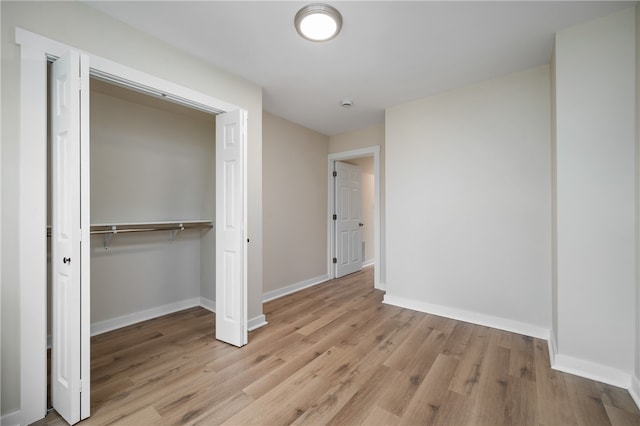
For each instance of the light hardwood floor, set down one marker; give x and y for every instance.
(334, 354)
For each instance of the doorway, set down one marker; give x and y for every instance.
(35, 51)
(354, 156)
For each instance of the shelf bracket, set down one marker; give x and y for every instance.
(174, 232)
(109, 235)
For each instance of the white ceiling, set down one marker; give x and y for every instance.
(387, 53)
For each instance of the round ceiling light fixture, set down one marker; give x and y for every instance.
(318, 22)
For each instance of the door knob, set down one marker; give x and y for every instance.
(66, 260)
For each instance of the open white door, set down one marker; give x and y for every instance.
(348, 237)
(70, 228)
(231, 226)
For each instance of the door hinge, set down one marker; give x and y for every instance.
(335, 173)
(335, 217)
(335, 260)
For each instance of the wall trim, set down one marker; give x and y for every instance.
(11, 419)
(368, 262)
(257, 322)
(208, 304)
(469, 316)
(592, 370)
(136, 317)
(293, 288)
(552, 346)
(634, 390)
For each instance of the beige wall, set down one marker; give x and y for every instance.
(80, 26)
(294, 178)
(366, 138)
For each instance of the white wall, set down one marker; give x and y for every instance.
(469, 201)
(595, 149)
(80, 26)
(294, 174)
(150, 161)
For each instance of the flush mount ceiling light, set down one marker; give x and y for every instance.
(318, 22)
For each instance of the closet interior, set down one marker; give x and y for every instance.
(152, 207)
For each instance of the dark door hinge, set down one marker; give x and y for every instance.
(335, 260)
(335, 217)
(335, 173)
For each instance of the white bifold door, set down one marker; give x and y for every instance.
(348, 219)
(231, 228)
(70, 235)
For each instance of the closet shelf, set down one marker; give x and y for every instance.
(108, 230)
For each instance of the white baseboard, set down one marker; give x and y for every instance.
(368, 262)
(469, 316)
(257, 322)
(275, 294)
(11, 419)
(208, 304)
(592, 370)
(634, 390)
(552, 346)
(136, 317)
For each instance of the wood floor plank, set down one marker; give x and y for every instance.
(380, 417)
(356, 410)
(621, 417)
(467, 374)
(584, 397)
(522, 402)
(492, 392)
(335, 354)
(429, 397)
(522, 360)
(554, 405)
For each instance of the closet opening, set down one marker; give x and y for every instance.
(153, 201)
(230, 229)
(151, 169)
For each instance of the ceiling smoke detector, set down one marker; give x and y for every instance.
(346, 103)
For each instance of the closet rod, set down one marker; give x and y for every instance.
(145, 227)
(108, 231)
(119, 229)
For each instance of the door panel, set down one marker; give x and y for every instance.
(231, 223)
(348, 218)
(67, 258)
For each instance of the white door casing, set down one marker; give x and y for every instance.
(231, 225)
(70, 260)
(348, 250)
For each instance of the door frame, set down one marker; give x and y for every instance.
(331, 233)
(35, 51)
